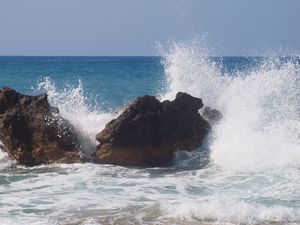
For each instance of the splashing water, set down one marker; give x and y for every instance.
(260, 127)
(72, 103)
(261, 122)
(188, 69)
(5, 161)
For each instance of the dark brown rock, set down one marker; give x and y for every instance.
(32, 131)
(148, 132)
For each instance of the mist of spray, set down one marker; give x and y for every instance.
(260, 128)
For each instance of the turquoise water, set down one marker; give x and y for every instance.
(253, 170)
(113, 81)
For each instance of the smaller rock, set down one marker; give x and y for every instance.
(211, 115)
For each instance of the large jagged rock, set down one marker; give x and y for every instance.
(33, 133)
(148, 132)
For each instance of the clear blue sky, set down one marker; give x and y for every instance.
(132, 27)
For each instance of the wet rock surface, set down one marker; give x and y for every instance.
(148, 132)
(32, 131)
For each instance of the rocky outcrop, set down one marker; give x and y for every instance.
(32, 131)
(148, 132)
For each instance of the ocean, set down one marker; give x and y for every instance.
(250, 176)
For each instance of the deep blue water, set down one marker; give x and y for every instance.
(112, 81)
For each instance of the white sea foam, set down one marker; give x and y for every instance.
(229, 211)
(261, 122)
(74, 106)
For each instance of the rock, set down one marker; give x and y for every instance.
(211, 115)
(148, 132)
(32, 131)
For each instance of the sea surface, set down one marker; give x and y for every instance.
(248, 171)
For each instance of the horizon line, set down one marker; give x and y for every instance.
(154, 56)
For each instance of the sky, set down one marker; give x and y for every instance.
(134, 27)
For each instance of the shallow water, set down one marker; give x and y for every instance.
(248, 172)
(91, 194)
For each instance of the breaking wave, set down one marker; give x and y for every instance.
(260, 106)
